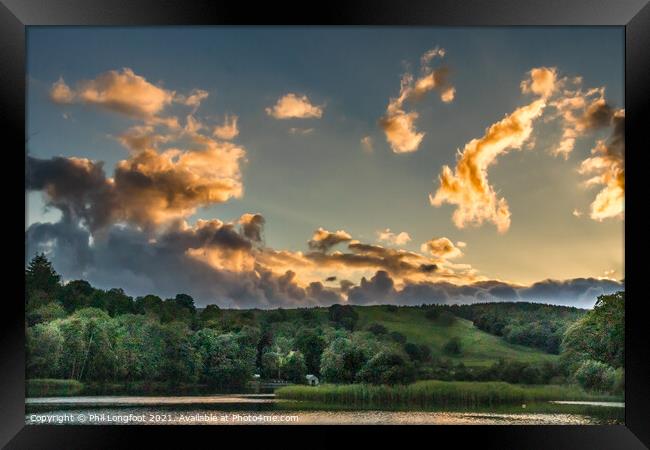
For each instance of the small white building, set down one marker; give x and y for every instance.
(312, 380)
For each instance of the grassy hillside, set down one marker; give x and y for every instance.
(480, 349)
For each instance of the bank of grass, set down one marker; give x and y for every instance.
(437, 393)
(479, 349)
(47, 387)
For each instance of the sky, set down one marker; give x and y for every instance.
(295, 166)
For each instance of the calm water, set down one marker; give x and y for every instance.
(233, 409)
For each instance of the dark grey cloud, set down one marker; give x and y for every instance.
(579, 292)
(322, 295)
(379, 289)
(77, 187)
(131, 259)
(252, 226)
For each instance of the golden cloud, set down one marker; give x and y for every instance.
(400, 131)
(194, 99)
(608, 168)
(442, 248)
(292, 106)
(121, 91)
(580, 112)
(228, 130)
(467, 186)
(393, 238)
(152, 188)
(542, 81)
(323, 240)
(398, 124)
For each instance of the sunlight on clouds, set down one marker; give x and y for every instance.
(467, 186)
(121, 91)
(442, 248)
(393, 238)
(293, 106)
(542, 82)
(228, 130)
(608, 166)
(398, 124)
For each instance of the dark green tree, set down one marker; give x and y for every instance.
(76, 294)
(453, 346)
(387, 367)
(185, 301)
(311, 344)
(599, 335)
(42, 283)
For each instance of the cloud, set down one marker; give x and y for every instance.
(359, 259)
(228, 130)
(293, 106)
(580, 292)
(142, 137)
(580, 112)
(77, 187)
(583, 112)
(252, 226)
(542, 81)
(323, 240)
(401, 134)
(61, 92)
(577, 292)
(467, 185)
(147, 189)
(363, 259)
(128, 258)
(379, 289)
(441, 248)
(397, 123)
(120, 91)
(194, 99)
(393, 238)
(167, 176)
(608, 169)
(217, 262)
(322, 295)
(367, 145)
(301, 131)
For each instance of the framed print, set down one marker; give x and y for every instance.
(393, 218)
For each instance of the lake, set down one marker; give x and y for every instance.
(265, 409)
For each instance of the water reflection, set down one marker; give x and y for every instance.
(262, 409)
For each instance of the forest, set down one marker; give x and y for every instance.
(80, 333)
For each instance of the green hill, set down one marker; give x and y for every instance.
(480, 349)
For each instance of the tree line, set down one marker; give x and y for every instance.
(78, 332)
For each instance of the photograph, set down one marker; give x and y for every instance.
(324, 225)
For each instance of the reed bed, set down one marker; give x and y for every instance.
(46, 387)
(436, 393)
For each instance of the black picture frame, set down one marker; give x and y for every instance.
(633, 15)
